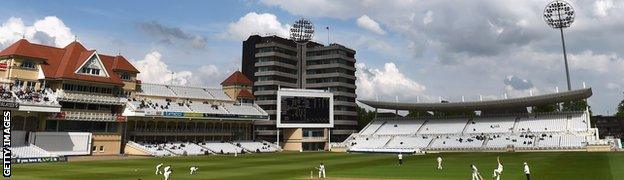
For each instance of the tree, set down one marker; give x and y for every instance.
(465, 113)
(364, 117)
(545, 108)
(418, 113)
(620, 109)
(578, 105)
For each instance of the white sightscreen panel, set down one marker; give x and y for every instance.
(63, 143)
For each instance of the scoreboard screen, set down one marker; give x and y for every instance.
(304, 110)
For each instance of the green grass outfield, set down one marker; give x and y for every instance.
(568, 165)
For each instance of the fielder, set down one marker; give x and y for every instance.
(439, 162)
(400, 156)
(158, 169)
(499, 170)
(475, 173)
(527, 172)
(167, 172)
(193, 169)
(321, 170)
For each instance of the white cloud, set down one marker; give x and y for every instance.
(428, 17)
(373, 44)
(614, 86)
(602, 7)
(518, 87)
(154, 70)
(171, 35)
(316, 8)
(387, 83)
(480, 42)
(254, 23)
(369, 24)
(209, 75)
(50, 31)
(601, 63)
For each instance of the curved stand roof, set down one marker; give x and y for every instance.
(484, 105)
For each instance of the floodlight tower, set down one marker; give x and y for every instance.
(301, 32)
(560, 15)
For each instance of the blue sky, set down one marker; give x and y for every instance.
(405, 49)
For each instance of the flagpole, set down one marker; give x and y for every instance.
(328, 43)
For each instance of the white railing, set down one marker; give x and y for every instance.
(90, 98)
(85, 116)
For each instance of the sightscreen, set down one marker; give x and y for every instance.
(304, 110)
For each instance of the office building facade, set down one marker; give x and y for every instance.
(273, 62)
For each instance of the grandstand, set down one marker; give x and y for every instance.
(168, 120)
(494, 129)
(202, 148)
(70, 101)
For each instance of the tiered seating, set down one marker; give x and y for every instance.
(517, 141)
(370, 142)
(372, 127)
(208, 108)
(156, 90)
(155, 149)
(549, 142)
(194, 149)
(457, 143)
(89, 98)
(175, 148)
(218, 94)
(444, 126)
(222, 148)
(191, 92)
(5, 93)
(242, 109)
(193, 106)
(400, 127)
(177, 107)
(490, 125)
(578, 122)
(203, 148)
(182, 92)
(30, 96)
(405, 142)
(161, 105)
(572, 141)
(256, 146)
(186, 148)
(554, 131)
(29, 151)
(542, 123)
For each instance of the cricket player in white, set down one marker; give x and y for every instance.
(527, 172)
(193, 169)
(321, 170)
(475, 173)
(158, 169)
(167, 172)
(400, 156)
(499, 170)
(439, 162)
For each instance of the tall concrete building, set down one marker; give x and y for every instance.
(273, 62)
